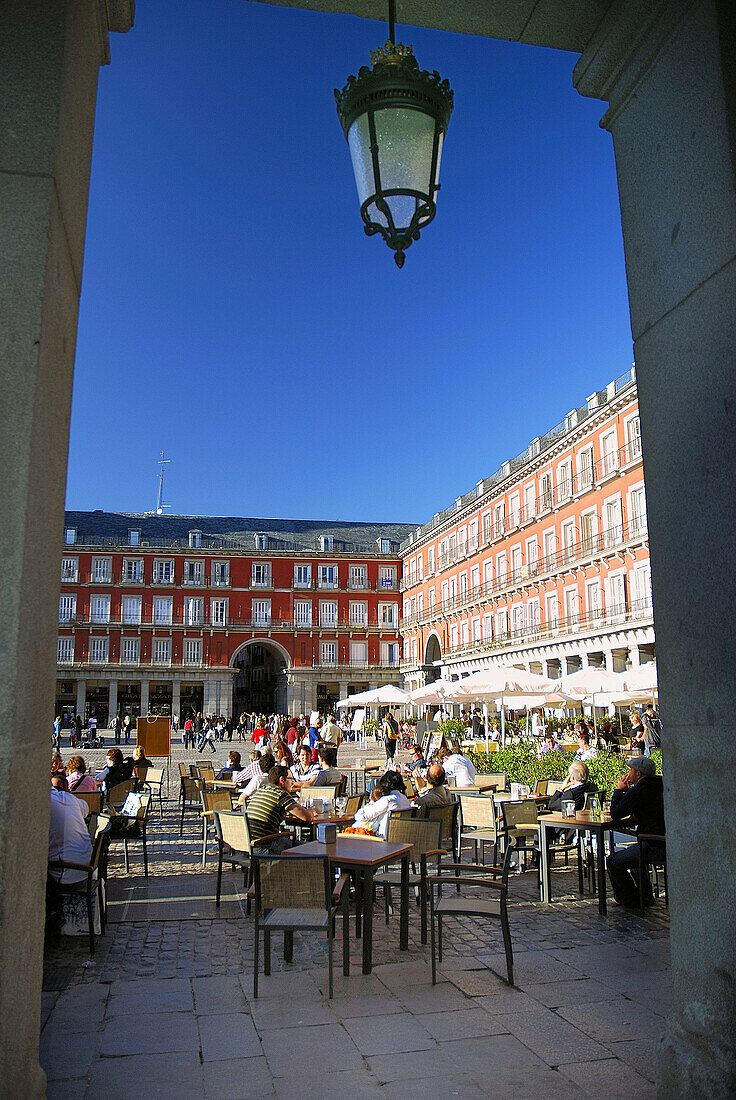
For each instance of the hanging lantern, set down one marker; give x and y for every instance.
(395, 117)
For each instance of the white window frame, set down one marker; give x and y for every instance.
(220, 573)
(386, 577)
(192, 651)
(69, 570)
(430, 559)
(609, 451)
(303, 613)
(99, 609)
(98, 651)
(358, 613)
(161, 651)
(65, 649)
(328, 613)
(101, 570)
(260, 613)
(359, 578)
(304, 580)
(130, 651)
(133, 571)
(163, 610)
(328, 576)
(70, 536)
(67, 608)
(193, 611)
(388, 614)
(389, 653)
(193, 572)
(328, 653)
(218, 610)
(261, 574)
(131, 609)
(359, 654)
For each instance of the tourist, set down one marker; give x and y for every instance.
(118, 728)
(140, 760)
(268, 808)
(56, 735)
(259, 737)
(233, 765)
(417, 763)
(57, 764)
(585, 749)
(76, 775)
(574, 789)
(304, 771)
(69, 838)
(257, 780)
(292, 736)
(639, 798)
(437, 793)
(128, 726)
(206, 737)
(282, 753)
(389, 796)
(390, 734)
(314, 736)
(117, 770)
(458, 766)
(548, 745)
(638, 733)
(331, 733)
(328, 775)
(652, 731)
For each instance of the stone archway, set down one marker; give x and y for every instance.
(259, 684)
(432, 654)
(667, 73)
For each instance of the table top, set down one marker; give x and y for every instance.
(324, 819)
(583, 819)
(353, 850)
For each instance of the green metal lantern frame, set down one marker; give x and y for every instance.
(396, 81)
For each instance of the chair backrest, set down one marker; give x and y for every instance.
(116, 795)
(496, 779)
(554, 785)
(190, 788)
(141, 771)
(102, 839)
(519, 813)
(328, 792)
(354, 780)
(478, 813)
(154, 776)
(232, 829)
(448, 816)
(409, 790)
(184, 769)
(93, 800)
(292, 882)
(540, 787)
(206, 771)
(406, 814)
(424, 833)
(216, 800)
(354, 802)
(144, 806)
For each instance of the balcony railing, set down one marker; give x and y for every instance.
(590, 547)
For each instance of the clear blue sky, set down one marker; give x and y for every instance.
(235, 315)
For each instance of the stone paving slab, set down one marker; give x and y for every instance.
(170, 1002)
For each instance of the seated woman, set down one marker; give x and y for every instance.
(389, 796)
(140, 760)
(282, 753)
(266, 762)
(76, 775)
(118, 770)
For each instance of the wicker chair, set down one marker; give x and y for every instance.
(153, 783)
(93, 800)
(91, 883)
(190, 797)
(478, 825)
(473, 877)
(448, 815)
(116, 795)
(354, 802)
(234, 846)
(297, 893)
(424, 835)
(211, 801)
(205, 771)
(520, 824)
(131, 828)
(496, 779)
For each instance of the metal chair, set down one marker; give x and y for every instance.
(651, 857)
(495, 779)
(154, 782)
(190, 791)
(234, 846)
(297, 893)
(448, 815)
(211, 801)
(424, 835)
(91, 883)
(443, 907)
(521, 823)
(93, 800)
(478, 824)
(132, 827)
(116, 795)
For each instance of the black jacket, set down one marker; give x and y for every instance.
(572, 794)
(643, 803)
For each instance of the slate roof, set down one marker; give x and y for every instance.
(227, 532)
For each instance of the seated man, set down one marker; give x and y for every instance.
(459, 767)
(585, 750)
(375, 814)
(68, 840)
(436, 792)
(268, 808)
(266, 762)
(304, 771)
(639, 797)
(416, 761)
(328, 773)
(574, 789)
(233, 770)
(548, 744)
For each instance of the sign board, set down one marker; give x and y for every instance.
(154, 735)
(358, 720)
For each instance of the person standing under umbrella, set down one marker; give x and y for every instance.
(390, 735)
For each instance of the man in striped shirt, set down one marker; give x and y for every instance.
(267, 810)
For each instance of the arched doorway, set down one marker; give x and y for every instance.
(432, 653)
(259, 684)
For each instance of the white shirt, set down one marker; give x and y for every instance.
(586, 754)
(68, 835)
(461, 769)
(378, 813)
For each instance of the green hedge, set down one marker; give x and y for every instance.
(522, 766)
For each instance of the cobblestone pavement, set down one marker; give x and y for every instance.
(165, 1005)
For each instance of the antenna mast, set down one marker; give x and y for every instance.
(160, 499)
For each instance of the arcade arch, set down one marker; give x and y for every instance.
(260, 682)
(432, 654)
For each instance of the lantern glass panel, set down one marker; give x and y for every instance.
(360, 152)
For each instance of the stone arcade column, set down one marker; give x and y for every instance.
(49, 56)
(669, 76)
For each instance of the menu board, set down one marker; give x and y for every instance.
(154, 735)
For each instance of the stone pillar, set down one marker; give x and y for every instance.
(608, 659)
(145, 687)
(634, 659)
(81, 697)
(49, 56)
(176, 697)
(113, 699)
(669, 74)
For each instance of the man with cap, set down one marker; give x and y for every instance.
(638, 798)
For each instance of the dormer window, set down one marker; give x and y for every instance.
(385, 545)
(70, 536)
(195, 539)
(134, 537)
(326, 542)
(261, 542)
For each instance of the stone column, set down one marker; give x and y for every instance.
(634, 658)
(49, 56)
(81, 697)
(113, 699)
(176, 697)
(669, 75)
(145, 687)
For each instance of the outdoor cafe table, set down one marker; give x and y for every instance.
(586, 822)
(362, 855)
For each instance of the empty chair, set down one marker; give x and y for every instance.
(652, 853)
(211, 801)
(497, 780)
(454, 905)
(540, 787)
(297, 893)
(478, 824)
(190, 799)
(354, 780)
(353, 804)
(234, 847)
(205, 771)
(154, 785)
(448, 815)
(424, 835)
(521, 824)
(328, 793)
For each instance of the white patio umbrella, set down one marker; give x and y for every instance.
(434, 693)
(503, 684)
(387, 695)
(643, 678)
(588, 682)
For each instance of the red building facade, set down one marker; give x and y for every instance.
(169, 614)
